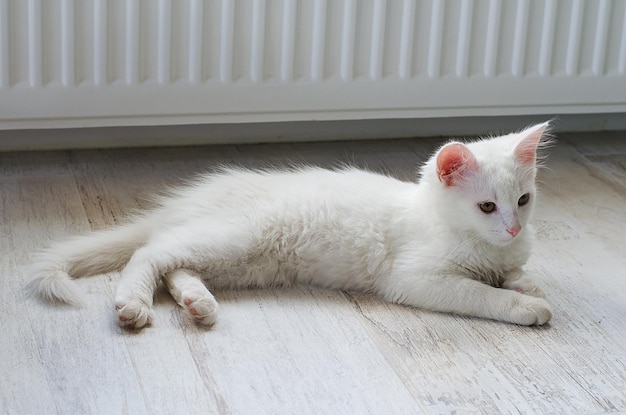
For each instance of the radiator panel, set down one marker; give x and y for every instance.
(131, 62)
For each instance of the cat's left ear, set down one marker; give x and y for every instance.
(530, 139)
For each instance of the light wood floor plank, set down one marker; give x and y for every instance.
(71, 344)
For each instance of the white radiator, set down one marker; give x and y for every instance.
(69, 63)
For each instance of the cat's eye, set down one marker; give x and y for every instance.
(524, 199)
(487, 207)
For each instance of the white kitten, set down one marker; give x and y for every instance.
(448, 243)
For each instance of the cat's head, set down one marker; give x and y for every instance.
(488, 186)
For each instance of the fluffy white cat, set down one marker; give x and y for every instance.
(454, 242)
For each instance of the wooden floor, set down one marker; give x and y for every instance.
(304, 350)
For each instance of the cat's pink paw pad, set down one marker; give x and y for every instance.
(201, 309)
(133, 313)
(192, 310)
(524, 286)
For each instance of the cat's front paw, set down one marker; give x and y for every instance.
(524, 285)
(530, 311)
(200, 308)
(133, 313)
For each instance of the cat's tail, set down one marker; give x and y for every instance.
(53, 269)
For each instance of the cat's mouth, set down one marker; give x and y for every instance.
(504, 239)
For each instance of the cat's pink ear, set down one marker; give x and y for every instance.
(526, 148)
(454, 162)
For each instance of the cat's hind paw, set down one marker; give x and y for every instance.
(133, 314)
(200, 308)
(192, 295)
(531, 311)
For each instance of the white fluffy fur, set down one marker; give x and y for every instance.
(426, 245)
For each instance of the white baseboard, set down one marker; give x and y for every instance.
(242, 133)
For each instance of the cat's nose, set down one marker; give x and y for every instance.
(514, 230)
